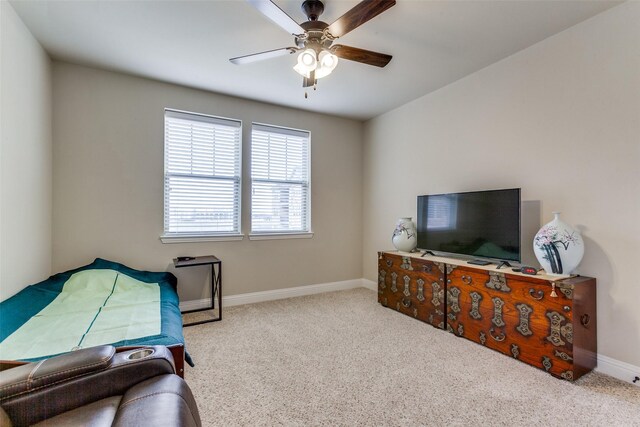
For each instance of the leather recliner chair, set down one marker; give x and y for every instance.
(98, 387)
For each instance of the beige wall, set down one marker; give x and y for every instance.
(560, 119)
(108, 185)
(25, 156)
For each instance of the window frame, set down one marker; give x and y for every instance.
(207, 236)
(281, 234)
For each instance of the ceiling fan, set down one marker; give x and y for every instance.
(314, 39)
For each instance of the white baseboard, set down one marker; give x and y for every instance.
(369, 284)
(617, 369)
(621, 370)
(196, 304)
(254, 297)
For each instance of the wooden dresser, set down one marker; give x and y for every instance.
(546, 321)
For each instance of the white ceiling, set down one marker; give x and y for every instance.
(433, 43)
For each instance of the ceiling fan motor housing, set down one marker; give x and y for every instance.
(313, 9)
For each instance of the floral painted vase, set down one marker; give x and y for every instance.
(405, 236)
(558, 247)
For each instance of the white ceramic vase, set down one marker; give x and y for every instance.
(558, 247)
(405, 236)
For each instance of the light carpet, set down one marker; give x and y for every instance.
(340, 358)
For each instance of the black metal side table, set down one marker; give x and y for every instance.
(216, 282)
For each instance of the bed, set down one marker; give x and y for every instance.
(101, 303)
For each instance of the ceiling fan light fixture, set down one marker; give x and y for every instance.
(327, 62)
(302, 71)
(307, 60)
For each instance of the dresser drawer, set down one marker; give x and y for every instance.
(411, 286)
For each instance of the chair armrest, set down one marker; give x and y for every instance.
(67, 366)
(41, 390)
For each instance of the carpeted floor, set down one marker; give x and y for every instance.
(342, 359)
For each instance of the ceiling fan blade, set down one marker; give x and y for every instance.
(361, 55)
(277, 15)
(358, 15)
(254, 57)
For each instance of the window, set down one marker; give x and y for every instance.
(201, 176)
(280, 198)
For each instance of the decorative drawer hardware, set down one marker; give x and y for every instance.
(448, 268)
(389, 262)
(568, 291)
(497, 312)
(381, 276)
(460, 330)
(566, 308)
(406, 302)
(467, 280)
(567, 375)
(497, 282)
(562, 355)
(406, 291)
(523, 327)
(483, 338)
(515, 350)
(453, 299)
(498, 338)
(557, 330)
(538, 294)
(475, 305)
(398, 306)
(415, 312)
(420, 295)
(394, 279)
(567, 332)
(553, 293)
(427, 268)
(437, 294)
(585, 319)
(406, 263)
(546, 363)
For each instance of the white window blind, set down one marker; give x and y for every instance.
(442, 212)
(201, 175)
(280, 198)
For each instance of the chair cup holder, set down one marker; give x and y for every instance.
(141, 354)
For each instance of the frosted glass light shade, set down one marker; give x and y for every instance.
(327, 62)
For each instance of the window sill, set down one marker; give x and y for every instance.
(197, 239)
(280, 236)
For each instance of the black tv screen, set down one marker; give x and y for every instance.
(481, 224)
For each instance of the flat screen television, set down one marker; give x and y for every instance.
(479, 224)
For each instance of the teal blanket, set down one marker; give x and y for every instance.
(101, 303)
